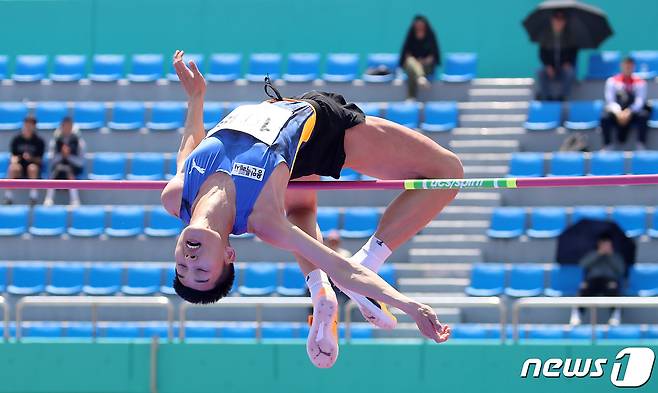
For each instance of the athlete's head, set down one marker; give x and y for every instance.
(204, 265)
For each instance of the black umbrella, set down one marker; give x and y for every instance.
(587, 26)
(581, 238)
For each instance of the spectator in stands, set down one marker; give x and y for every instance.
(604, 272)
(27, 150)
(67, 150)
(419, 55)
(626, 107)
(334, 241)
(558, 59)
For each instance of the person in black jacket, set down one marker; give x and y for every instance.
(67, 150)
(419, 55)
(27, 150)
(558, 59)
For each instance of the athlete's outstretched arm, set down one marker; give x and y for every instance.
(283, 234)
(195, 87)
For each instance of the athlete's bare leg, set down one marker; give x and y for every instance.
(386, 150)
(302, 210)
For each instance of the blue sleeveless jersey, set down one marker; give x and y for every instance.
(246, 159)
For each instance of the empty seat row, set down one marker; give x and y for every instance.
(554, 332)
(605, 64)
(193, 330)
(521, 280)
(435, 116)
(602, 163)
(253, 279)
(549, 222)
(223, 67)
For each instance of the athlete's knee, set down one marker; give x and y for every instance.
(447, 166)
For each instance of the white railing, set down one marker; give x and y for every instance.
(5, 318)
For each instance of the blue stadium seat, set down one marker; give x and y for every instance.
(328, 219)
(567, 163)
(584, 332)
(119, 330)
(525, 280)
(404, 113)
(239, 331)
(167, 287)
(507, 222)
(79, 330)
(603, 65)
(469, 331)
(644, 163)
(89, 115)
(341, 67)
(87, 221)
(50, 114)
(142, 280)
(157, 329)
(545, 332)
(162, 224)
(440, 116)
(146, 68)
(104, 279)
(357, 331)
(41, 330)
(13, 220)
(213, 112)
(460, 67)
(543, 115)
(378, 60)
(260, 279)
(653, 121)
(107, 68)
(292, 281)
(48, 221)
(359, 222)
(167, 115)
(279, 331)
(605, 163)
(171, 167)
(27, 279)
(589, 212)
(3, 67)
(4, 164)
(387, 272)
(652, 332)
(3, 278)
(584, 115)
(371, 108)
(653, 229)
(66, 279)
(547, 222)
(146, 166)
(631, 219)
(126, 221)
(224, 67)
(108, 166)
(198, 59)
(201, 332)
(262, 64)
(646, 63)
(30, 68)
(127, 115)
(302, 67)
(69, 68)
(12, 115)
(565, 280)
(643, 280)
(624, 332)
(526, 165)
(487, 279)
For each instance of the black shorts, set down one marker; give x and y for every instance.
(324, 153)
(24, 164)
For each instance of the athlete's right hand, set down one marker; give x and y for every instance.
(428, 323)
(190, 77)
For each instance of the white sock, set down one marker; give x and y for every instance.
(373, 254)
(74, 196)
(9, 194)
(50, 194)
(316, 280)
(33, 194)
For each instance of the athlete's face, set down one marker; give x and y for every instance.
(201, 256)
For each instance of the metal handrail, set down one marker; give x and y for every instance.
(94, 303)
(451, 301)
(5, 318)
(258, 302)
(592, 302)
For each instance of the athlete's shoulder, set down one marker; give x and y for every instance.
(172, 195)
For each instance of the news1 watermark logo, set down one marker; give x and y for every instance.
(631, 368)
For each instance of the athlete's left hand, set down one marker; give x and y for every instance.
(190, 77)
(428, 323)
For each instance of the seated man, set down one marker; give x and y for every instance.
(27, 150)
(235, 180)
(67, 151)
(604, 272)
(626, 107)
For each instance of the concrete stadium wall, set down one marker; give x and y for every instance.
(490, 28)
(249, 368)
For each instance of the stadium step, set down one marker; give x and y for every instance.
(454, 240)
(445, 255)
(445, 270)
(485, 158)
(495, 93)
(465, 213)
(502, 83)
(488, 133)
(432, 284)
(440, 227)
(492, 120)
(484, 146)
(475, 171)
(474, 198)
(493, 108)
